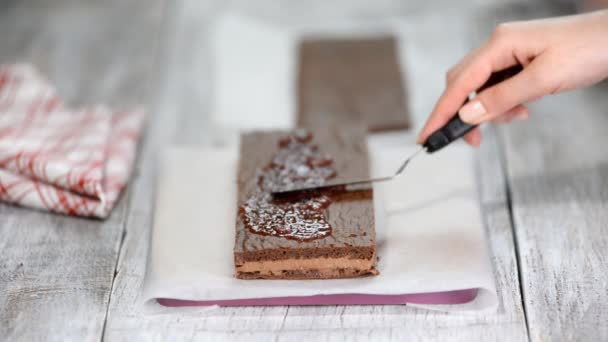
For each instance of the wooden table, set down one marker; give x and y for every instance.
(544, 183)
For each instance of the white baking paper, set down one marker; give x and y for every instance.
(430, 235)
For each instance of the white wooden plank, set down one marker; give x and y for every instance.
(557, 171)
(186, 97)
(56, 272)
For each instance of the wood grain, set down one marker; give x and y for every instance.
(56, 272)
(560, 212)
(351, 80)
(557, 175)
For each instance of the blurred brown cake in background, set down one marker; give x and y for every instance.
(352, 80)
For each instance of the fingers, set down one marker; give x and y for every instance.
(440, 116)
(473, 137)
(457, 69)
(466, 77)
(472, 72)
(456, 93)
(520, 112)
(530, 84)
(515, 114)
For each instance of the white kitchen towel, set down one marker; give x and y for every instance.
(60, 159)
(430, 235)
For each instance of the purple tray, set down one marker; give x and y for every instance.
(449, 297)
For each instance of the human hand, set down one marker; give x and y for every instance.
(558, 54)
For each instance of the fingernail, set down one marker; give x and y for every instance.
(472, 111)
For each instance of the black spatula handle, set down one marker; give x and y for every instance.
(456, 128)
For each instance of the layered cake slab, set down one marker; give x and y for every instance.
(352, 80)
(323, 236)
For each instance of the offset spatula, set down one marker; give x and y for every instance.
(452, 131)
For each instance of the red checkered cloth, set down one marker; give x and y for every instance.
(59, 159)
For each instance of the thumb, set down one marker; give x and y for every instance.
(530, 84)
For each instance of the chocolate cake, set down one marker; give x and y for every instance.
(325, 235)
(351, 80)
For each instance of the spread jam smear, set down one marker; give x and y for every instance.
(298, 163)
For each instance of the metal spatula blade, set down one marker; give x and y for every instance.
(358, 185)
